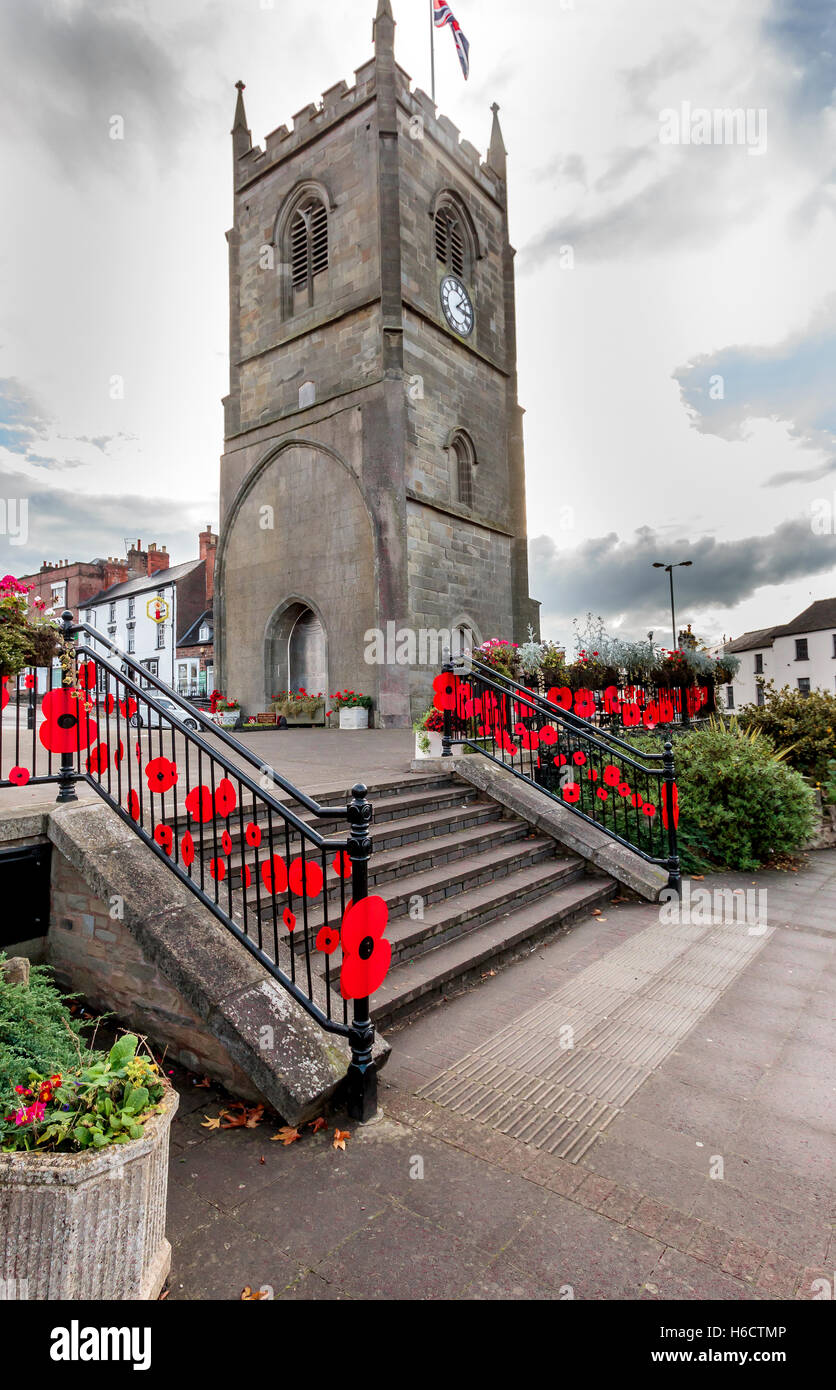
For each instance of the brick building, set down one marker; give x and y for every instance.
(373, 468)
(69, 584)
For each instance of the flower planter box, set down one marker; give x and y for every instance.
(227, 718)
(434, 750)
(88, 1225)
(357, 718)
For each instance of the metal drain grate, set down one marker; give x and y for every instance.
(560, 1074)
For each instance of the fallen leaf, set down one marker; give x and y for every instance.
(340, 1136)
(317, 1124)
(286, 1135)
(240, 1116)
(252, 1295)
(211, 1122)
(699, 876)
(262, 1159)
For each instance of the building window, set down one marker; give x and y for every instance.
(464, 457)
(91, 618)
(160, 636)
(455, 245)
(759, 664)
(759, 695)
(131, 640)
(801, 653)
(729, 697)
(153, 669)
(308, 247)
(834, 645)
(203, 635)
(131, 607)
(112, 618)
(804, 684)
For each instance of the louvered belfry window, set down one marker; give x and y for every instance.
(308, 245)
(450, 241)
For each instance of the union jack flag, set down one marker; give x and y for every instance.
(442, 14)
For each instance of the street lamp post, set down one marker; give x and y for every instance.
(680, 564)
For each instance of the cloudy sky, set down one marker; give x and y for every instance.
(676, 301)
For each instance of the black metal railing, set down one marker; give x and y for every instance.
(627, 793)
(240, 836)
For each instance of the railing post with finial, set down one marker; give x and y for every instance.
(447, 715)
(668, 792)
(361, 1078)
(67, 775)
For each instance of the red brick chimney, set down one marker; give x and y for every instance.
(208, 551)
(158, 559)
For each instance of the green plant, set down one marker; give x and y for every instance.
(298, 704)
(829, 786)
(804, 725)
(499, 655)
(740, 801)
(530, 655)
(106, 1101)
(349, 699)
(430, 722)
(37, 1029)
(28, 635)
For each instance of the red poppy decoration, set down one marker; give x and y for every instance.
(560, 760)
(29, 682)
(445, 686)
(289, 919)
(584, 704)
(572, 793)
(561, 696)
(161, 775)
(99, 758)
(246, 875)
(138, 751)
(164, 836)
(341, 864)
(274, 874)
(592, 774)
(612, 704)
(603, 793)
(217, 870)
(199, 804)
(548, 735)
(650, 718)
(612, 775)
(226, 842)
(65, 728)
(675, 805)
(648, 809)
(579, 759)
(187, 849)
(367, 954)
(225, 798)
(305, 878)
(110, 704)
(624, 789)
(19, 776)
(87, 675)
(252, 835)
(631, 715)
(327, 940)
(4, 692)
(637, 799)
(119, 754)
(128, 710)
(133, 804)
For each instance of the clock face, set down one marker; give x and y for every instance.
(455, 301)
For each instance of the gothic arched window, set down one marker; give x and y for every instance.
(464, 456)
(453, 239)
(307, 250)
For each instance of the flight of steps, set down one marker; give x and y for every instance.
(467, 886)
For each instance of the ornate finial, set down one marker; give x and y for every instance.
(241, 139)
(497, 152)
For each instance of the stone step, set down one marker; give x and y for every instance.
(474, 907)
(417, 983)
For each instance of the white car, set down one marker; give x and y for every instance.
(152, 719)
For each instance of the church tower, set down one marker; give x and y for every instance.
(373, 470)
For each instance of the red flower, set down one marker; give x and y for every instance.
(445, 686)
(99, 758)
(226, 842)
(366, 954)
(199, 804)
(161, 775)
(110, 704)
(29, 682)
(128, 710)
(133, 804)
(225, 798)
(4, 692)
(572, 792)
(584, 704)
(217, 869)
(289, 919)
(252, 835)
(87, 676)
(19, 776)
(592, 774)
(579, 759)
(187, 849)
(675, 806)
(274, 874)
(637, 799)
(630, 715)
(66, 728)
(246, 875)
(561, 696)
(341, 864)
(648, 809)
(119, 754)
(327, 940)
(603, 793)
(305, 878)
(624, 789)
(548, 735)
(164, 836)
(612, 775)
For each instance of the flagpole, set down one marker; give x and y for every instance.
(432, 48)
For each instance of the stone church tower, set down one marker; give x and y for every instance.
(373, 471)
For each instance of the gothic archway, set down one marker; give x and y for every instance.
(296, 649)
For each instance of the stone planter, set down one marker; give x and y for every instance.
(356, 718)
(227, 718)
(88, 1225)
(434, 750)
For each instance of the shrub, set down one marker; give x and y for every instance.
(298, 704)
(37, 1030)
(740, 802)
(802, 725)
